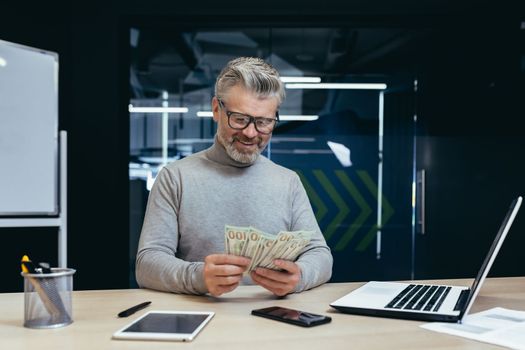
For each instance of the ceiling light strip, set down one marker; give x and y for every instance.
(204, 114)
(301, 79)
(349, 86)
(307, 118)
(133, 109)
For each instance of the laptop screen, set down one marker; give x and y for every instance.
(493, 252)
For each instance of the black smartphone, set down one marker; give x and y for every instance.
(296, 317)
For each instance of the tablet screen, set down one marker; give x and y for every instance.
(167, 323)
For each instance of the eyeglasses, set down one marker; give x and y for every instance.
(240, 121)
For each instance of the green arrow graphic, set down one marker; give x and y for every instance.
(314, 198)
(387, 210)
(339, 202)
(363, 215)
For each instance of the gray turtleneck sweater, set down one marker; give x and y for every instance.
(193, 198)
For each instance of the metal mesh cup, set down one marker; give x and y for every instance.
(47, 298)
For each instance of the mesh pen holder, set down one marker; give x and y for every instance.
(48, 298)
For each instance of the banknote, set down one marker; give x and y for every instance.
(235, 237)
(263, 248)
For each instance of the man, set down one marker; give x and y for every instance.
(181, 247)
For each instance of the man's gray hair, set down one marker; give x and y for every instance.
(252, 73)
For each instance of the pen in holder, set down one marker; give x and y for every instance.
(47, 298)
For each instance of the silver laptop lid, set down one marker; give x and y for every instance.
(491, 256)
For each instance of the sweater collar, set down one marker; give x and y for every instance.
(217, 153)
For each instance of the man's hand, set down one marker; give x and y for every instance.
(223, 272)
(278, 282)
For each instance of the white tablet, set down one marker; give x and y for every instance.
(166, 325)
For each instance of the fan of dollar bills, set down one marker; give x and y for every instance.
(262, 247)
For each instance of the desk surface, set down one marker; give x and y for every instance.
(233, 327)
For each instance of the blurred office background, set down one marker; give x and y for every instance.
(410, 165)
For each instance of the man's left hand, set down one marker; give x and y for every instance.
(278, 282)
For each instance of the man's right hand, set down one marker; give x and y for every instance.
(223, 272)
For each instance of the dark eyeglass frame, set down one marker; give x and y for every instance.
(252, 119)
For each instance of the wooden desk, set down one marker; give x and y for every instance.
(233, 327)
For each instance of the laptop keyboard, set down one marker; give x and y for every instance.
(420, 297)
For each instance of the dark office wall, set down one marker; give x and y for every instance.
(89, 101)
(471, 134)
(51, 33)
(91, 39)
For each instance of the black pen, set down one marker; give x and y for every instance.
(133, 309)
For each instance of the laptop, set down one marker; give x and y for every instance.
(424, 302)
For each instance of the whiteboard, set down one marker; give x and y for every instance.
(28, 131)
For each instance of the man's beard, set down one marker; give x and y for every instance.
(245, 158)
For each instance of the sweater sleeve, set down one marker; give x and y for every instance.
(157, 266)
(316, 260)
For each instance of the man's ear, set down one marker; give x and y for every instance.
(215, 108)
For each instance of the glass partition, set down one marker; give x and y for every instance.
(346, 128)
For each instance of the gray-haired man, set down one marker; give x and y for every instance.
(182, 240)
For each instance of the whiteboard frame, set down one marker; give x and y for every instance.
(58, 216)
